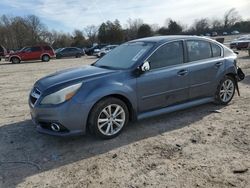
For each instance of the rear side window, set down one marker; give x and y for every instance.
(216, 50)
(47, 48)
(35, 49)
(167, 55)
(198, 50)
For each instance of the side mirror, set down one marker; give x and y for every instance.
(236, 52)
(145, 66)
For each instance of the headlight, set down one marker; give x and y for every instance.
(61, 95)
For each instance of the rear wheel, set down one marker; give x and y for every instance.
(78, 55)
(45, 58)
(225, 90)
(108, 118)
(15, 60)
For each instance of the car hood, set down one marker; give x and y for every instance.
(71, 76)
(15, 53)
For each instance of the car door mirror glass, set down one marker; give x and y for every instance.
(145, 66)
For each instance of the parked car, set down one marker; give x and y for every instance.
(44, 53)
(235, 32)
(90, 51)
(96, 51)
(3, 52)
(105, 50)
(214, 34)
(136, 80)
(241, 43)
(224, 33)
(58, 49)
(70, 52)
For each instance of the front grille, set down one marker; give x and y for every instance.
(34, 95)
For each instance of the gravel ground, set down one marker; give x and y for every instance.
(198, 147)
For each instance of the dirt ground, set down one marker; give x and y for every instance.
(192, 148)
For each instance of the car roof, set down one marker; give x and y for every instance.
(163, 39)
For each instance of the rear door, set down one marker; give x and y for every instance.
(205, 64)
(166, 83)
(65, 52)
(33, 53)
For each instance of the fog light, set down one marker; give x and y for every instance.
(55, 127)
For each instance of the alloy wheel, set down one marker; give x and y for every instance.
(111, 119)
(227, 90)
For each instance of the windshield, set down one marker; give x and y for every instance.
(124, 56)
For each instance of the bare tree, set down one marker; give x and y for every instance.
(231, 17)
(216, 24)
(132, 28)
(91, 33)
(200, 26)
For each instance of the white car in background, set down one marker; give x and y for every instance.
(105, 50)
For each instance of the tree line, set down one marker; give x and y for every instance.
(17, 32)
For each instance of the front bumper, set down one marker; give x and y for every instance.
(71, 116)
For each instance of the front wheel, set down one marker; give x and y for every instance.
(108, 118)
(15, 60)
(225, 90)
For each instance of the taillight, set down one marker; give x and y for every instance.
(235, 63)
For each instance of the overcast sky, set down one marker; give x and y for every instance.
(67, 15)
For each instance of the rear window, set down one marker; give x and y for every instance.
(35, 49)
(216, 50)
(198, 50)
(47, 48)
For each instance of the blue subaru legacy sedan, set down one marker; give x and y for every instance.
(138, 79)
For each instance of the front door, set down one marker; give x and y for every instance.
(166, 83)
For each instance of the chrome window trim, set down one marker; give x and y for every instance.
(188, 62)
(177, 40)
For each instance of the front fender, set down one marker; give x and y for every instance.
(95, 93)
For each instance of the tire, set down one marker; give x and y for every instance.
(107, 126)
(225, 90)
(58, 56)
(45, 58)
(15, 60)
(78, 55)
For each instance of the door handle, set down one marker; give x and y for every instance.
(182, 73)
(218, 64)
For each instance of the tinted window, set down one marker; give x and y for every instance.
(73, 49)
(198, 50)
(216, 50)
(35, 49)
(167, 55)
(125, 55)
(47, 48)
(65, 50)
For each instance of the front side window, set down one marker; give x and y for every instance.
(167, 55)
(198, 50)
